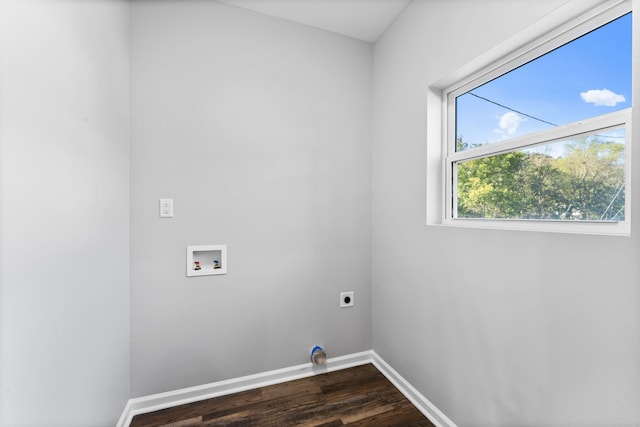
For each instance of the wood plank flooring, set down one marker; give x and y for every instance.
(359, 396)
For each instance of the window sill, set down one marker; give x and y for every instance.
(604, 228)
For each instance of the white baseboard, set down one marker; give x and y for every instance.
(155, 402)
(422, 403)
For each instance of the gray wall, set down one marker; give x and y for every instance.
(495, 328)
(64, 212)
(259, 129)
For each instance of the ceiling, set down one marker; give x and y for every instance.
(361, 19)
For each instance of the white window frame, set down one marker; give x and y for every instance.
(540, 46)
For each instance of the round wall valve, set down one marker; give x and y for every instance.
(318, 355)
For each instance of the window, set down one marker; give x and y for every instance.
(544, 137)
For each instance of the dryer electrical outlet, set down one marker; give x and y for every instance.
(346, 299)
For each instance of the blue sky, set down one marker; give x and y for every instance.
(585, 78)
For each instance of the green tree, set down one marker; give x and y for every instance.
(542, 197)
(593, 182)
(586, 183)
(489, 187)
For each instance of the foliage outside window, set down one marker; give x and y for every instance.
(546, 137)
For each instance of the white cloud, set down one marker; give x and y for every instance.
(602, 97)
(509, 123)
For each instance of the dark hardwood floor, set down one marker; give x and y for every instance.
(359, 396)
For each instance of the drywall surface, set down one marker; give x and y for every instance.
(496, 328)
(64, 212)
(259, 129)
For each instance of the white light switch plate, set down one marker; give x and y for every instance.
(166, 208)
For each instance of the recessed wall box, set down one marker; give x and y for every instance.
(206, 260)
